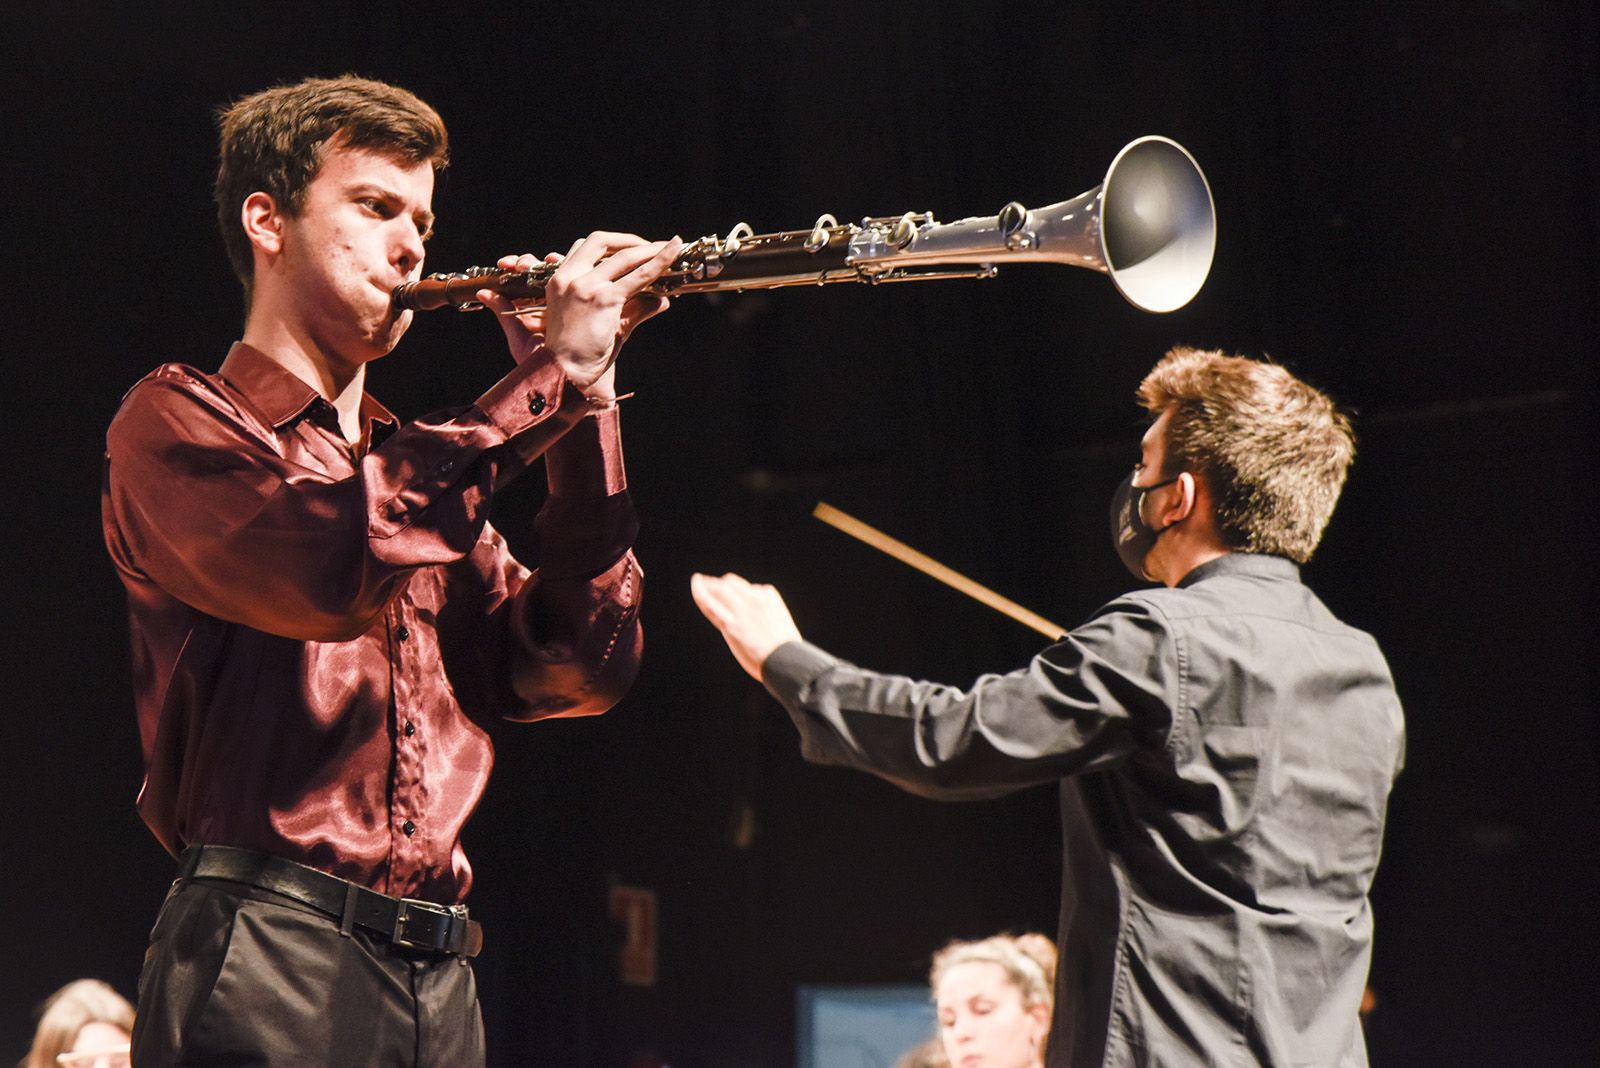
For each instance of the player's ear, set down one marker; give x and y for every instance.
(262, 222)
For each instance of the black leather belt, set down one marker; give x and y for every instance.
(404, 921)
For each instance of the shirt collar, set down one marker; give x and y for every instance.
(1260, 564)
(279, 394)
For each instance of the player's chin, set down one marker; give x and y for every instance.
(394, 328)
(380, 340)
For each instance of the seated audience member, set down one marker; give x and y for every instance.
(994, 1001)
(85, 1024)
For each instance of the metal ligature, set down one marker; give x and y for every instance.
(1150, 225)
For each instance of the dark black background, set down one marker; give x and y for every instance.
(1409, 209)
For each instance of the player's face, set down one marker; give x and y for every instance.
(359, 233)
(983, 1021)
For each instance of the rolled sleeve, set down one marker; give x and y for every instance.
(588, 521)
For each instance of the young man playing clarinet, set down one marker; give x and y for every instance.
(322, 618)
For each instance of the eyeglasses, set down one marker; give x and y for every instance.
(115, 1057)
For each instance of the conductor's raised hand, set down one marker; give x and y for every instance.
(753, 619)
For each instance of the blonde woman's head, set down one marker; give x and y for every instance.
(994, 998)
(88, 1022)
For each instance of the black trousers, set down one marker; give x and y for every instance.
(237, 977)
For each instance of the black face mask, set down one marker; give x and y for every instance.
(1133, 537)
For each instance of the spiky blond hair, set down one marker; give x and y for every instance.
(1273, 450)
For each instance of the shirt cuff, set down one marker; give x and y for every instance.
(580, 537)
(792, 667)
(532, 393)
(587, 461)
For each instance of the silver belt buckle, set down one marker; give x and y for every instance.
(433, 919)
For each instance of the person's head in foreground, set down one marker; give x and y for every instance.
(994, 999)
(85, 1024)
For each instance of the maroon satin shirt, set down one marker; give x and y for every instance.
(319, 636)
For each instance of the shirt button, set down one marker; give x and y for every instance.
(446, 467)
(536, 403)
(411, 728)
(401, 632)
(409, 827)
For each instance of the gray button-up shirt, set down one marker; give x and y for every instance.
(1225, 751)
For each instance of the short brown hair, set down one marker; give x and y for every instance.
(1273, 451)
(273, 142)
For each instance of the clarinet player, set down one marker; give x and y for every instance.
(322, 618)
